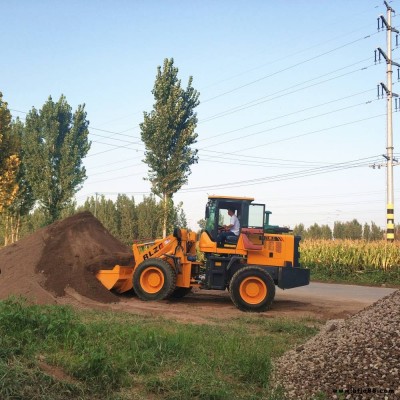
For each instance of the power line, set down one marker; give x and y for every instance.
(293, 123)
(287, 176)
(204, 101)
(274, 128)
(256, 163)
(115, 178)
(248, 160)
(287, 115)
(273, 96)
(251, 165)
(351, 20)
(262, 131)
(119, 140)
(117, 169)
(362, 162)
(221, 114)
(115, 148)
(286, 56)
(288, 68)
(295, 136)
(117, 133)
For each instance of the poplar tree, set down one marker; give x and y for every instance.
(127, 219)
(55, 142)
(168, 134)
(148, 218)
(9, 161)
(24, 200)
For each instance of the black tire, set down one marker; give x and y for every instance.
(180, 292)
(154, 279)
(252, 289)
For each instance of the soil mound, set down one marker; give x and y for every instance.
(358, 358)
(65, 254)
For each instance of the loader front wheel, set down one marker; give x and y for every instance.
(252, 289)
(154, 279)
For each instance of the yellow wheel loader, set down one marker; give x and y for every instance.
(250, 265)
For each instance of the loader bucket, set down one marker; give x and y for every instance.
(118, 279)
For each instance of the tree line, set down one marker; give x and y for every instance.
(41, 162)
(124, 218)
(352, 230)
(41, 169)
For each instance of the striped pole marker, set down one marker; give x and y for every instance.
(390, 223)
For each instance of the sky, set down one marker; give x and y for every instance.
(288, 112)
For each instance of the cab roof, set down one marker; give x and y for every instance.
(231, 198)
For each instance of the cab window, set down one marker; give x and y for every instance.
(256, 215)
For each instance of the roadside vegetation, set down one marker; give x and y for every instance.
(56, 352)
(352, 261)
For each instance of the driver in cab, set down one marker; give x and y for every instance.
(229, 230)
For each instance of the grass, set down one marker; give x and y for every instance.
(118, 356)
(352, 261)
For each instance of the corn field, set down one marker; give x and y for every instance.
(350, 257)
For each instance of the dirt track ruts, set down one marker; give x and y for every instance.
(321, 301)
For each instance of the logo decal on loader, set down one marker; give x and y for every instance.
(153, 251)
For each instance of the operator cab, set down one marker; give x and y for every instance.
(250, 215)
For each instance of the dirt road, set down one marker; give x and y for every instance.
(318, 300)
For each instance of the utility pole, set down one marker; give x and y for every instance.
(390, 161)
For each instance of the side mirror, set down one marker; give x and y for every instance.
(207, 212)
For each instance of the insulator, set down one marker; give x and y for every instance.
(379, 27)
(398, 74)
(377, 87)
(375, 56)
(395, 104)
(397, 40)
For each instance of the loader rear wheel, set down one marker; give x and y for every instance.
(154, 279)
(252, 289)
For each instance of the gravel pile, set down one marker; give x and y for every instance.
(357, 358)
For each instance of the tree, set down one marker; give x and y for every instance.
(339, 230)
(202, 224)
(148, 218)
(127, 219)
(55, 142)
(376, 232)
(353, 230)
(181, 220)
(366, 232)
(326, 232)
(104, 210)
(176, 218)
(24, 200)
(168, 134)
(9, 161)
(299, 230)
(347, 230)
(106, 213)
(314, 232)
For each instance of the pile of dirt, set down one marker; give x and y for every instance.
(356, 358)
(66, 254)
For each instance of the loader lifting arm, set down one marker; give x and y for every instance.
(161, 267)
